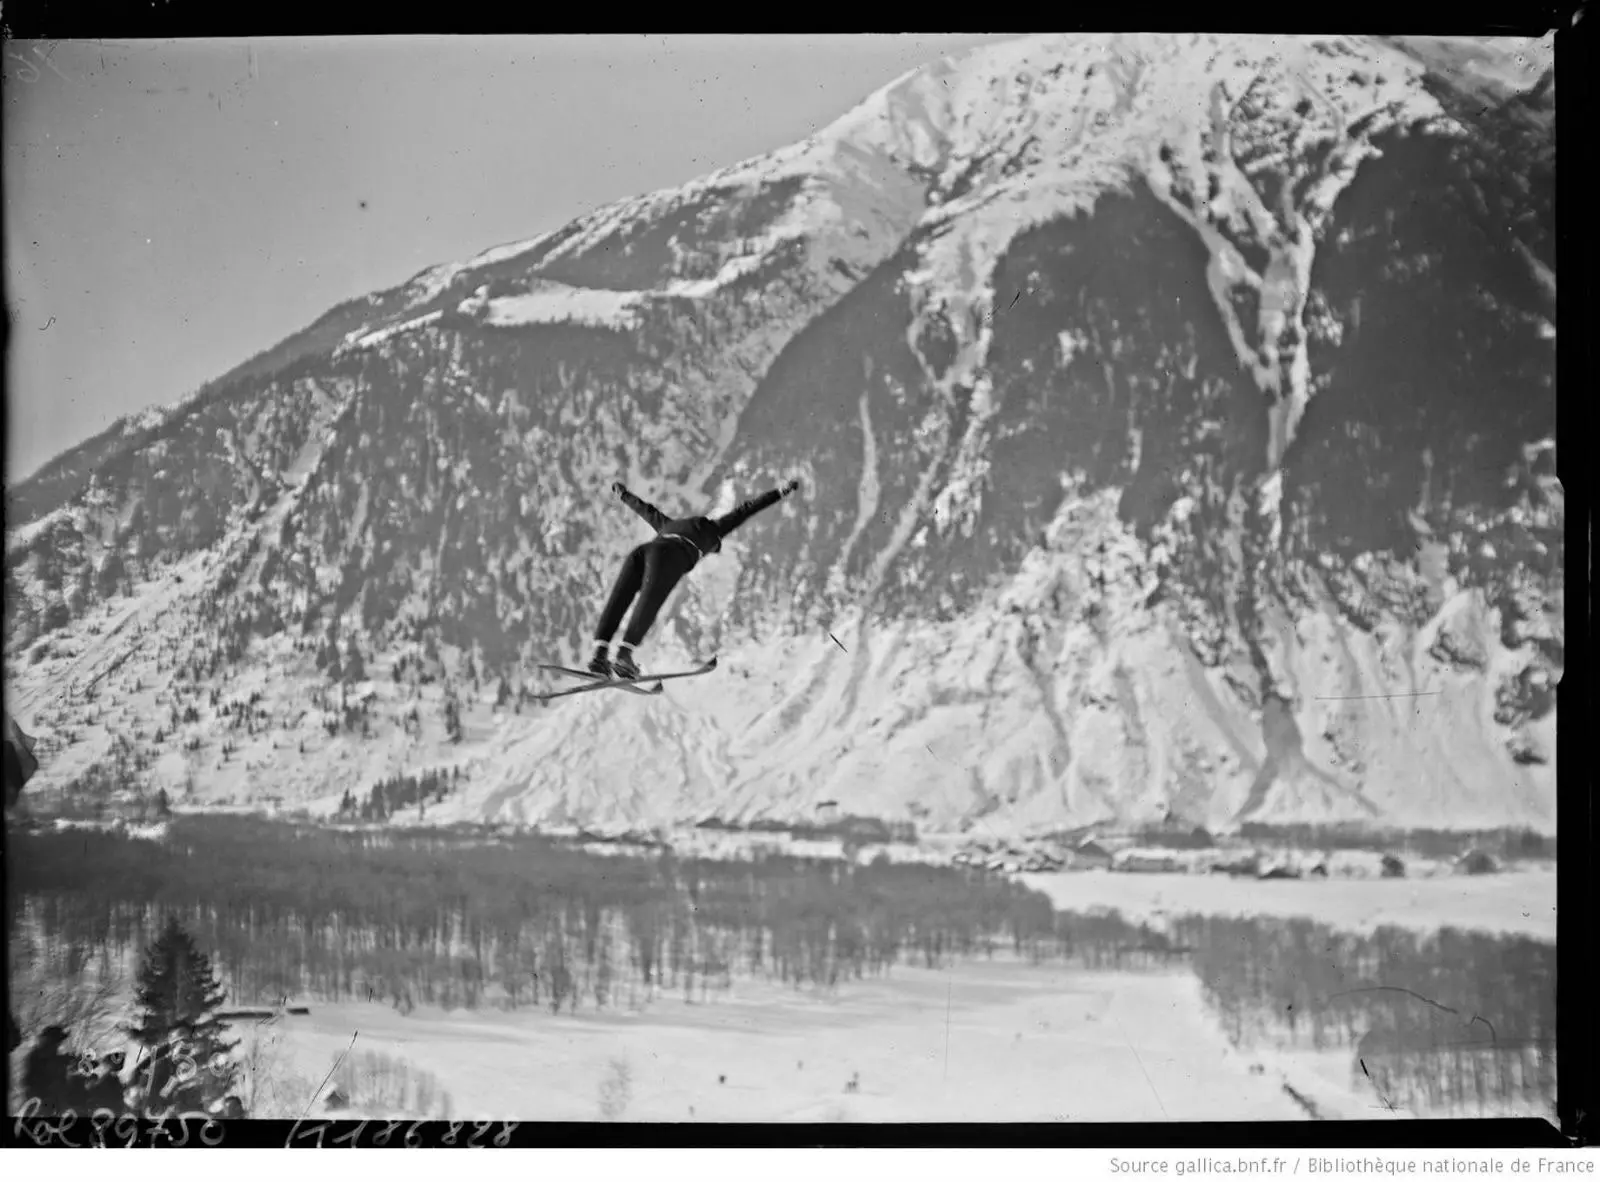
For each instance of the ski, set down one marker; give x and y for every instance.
(596, 682)
(599, 683)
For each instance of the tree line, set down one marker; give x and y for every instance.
(1448, 1020)
(468, 918)
(389, 796)
(419, 916)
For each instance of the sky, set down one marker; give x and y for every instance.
(173, 207)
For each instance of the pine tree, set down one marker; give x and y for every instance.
(57, 614)
(177, 997)
(47, 565)
(355, 667)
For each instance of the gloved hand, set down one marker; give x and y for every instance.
(790, 487)
(617, 489)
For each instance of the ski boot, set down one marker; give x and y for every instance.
(622, 666)
(600, 666)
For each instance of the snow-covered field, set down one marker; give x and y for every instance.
(996, 1041)
(1518, 901)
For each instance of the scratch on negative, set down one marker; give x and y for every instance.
(1387, 1103)
(835, 640)
(1142, 1070)
(1493, 1036)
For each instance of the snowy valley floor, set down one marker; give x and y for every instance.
(1516, 902)
(981, 1041)
(977, 1042)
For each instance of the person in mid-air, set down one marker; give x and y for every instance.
(652, 570)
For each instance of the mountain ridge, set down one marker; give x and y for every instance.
(1097, 543)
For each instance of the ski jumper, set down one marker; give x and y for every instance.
(652, 570)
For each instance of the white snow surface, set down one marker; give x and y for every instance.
(510, 250)
(975, 1042)
(554, 302)
(1515, 902)
(364, 339)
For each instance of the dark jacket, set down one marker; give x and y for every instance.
(705, 534)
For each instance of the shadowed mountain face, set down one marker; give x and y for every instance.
(1176, 417)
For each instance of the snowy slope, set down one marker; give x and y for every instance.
(975, 1043)
(1169, 447)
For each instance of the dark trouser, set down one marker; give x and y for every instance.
(651, 571)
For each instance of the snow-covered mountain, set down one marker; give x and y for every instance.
(1176, 415)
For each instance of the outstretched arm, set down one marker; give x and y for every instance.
(643, 508)
(729, 522)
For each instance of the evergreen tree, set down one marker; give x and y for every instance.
(355, 667)
(177, 997)
(47, 565)
(57, 614)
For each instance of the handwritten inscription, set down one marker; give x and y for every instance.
(459, 1134)
(104, 1129)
